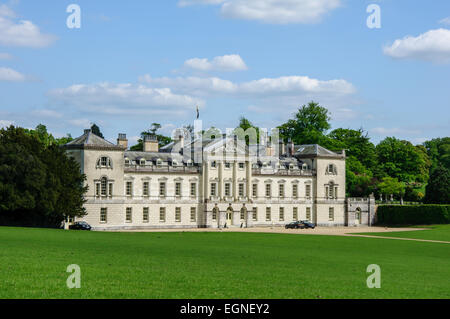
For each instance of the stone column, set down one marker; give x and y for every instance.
(221, 186)
(205, 180)
(235, 164)
(249, 180)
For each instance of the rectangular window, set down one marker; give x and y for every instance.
(242, 214)
(162, 189)
(146, 189)
(255, 190)
(178, 189)
(193, 189)
(103, 215)
(241, 190)
(145, 215)
(104, 184)
(213, 164)
(295, 213)
(129, 215)
(97, 189)
(335, 192)
(331, 214)
(281, 190)
(255, 214)
(193, 214)
(295, 191)
(308, 191)
(129, 188)
(162, 214)
(110, 190)
(281, 213)
(268, 190)
(214, 214)
(268, 214)
(227, 165)
(178, 214)
(308, 213)
(227, 189)
(213, 189)
(241, 166)
(330, 192)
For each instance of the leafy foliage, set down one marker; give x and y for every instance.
(438, 188)
(96, 130)
(39, 184)
(413, 215)
(308, 126)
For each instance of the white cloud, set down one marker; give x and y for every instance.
(286, 85)
(21, 33)
(10, 75)
(5, 123)
(124, 99)
(272, 11)
(445, 21)
(433, 45)
(226, 63)
(5, 56)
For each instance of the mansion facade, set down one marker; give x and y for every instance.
(213, 183)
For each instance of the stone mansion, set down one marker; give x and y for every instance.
(214, 183)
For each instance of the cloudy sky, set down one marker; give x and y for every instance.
(133, 63)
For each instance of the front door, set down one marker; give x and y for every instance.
(229, 217)
(358, 217)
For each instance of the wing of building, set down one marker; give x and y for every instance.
(218, 182)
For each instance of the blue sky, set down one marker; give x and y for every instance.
(138, 62)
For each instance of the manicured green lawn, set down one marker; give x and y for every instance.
(33, 264)
(435, 232)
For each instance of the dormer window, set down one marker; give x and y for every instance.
(127, 162)
(159, 162)
(104, 162)
(190, 163)
(142, 162)
(305, 167)
(174, 163)
(291, 166)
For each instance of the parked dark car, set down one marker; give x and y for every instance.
(80, 226)
(295, 225)
(307, 224)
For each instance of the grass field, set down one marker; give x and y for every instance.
(33, 264)
(435, 232)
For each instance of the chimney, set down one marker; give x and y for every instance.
(151, 144)
(122, 141)
(181, 139)
(291, 147)
(87, 131)
(281, 148)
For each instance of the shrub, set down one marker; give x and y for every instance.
(413, 215)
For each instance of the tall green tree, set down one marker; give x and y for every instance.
(96, 130)
(39, 184)
(438, 188)
(438, 150)
(247, 131)
(309, 125)
(402, 160)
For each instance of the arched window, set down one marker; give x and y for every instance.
(305, 166)
(104, 162)
(331, 169)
